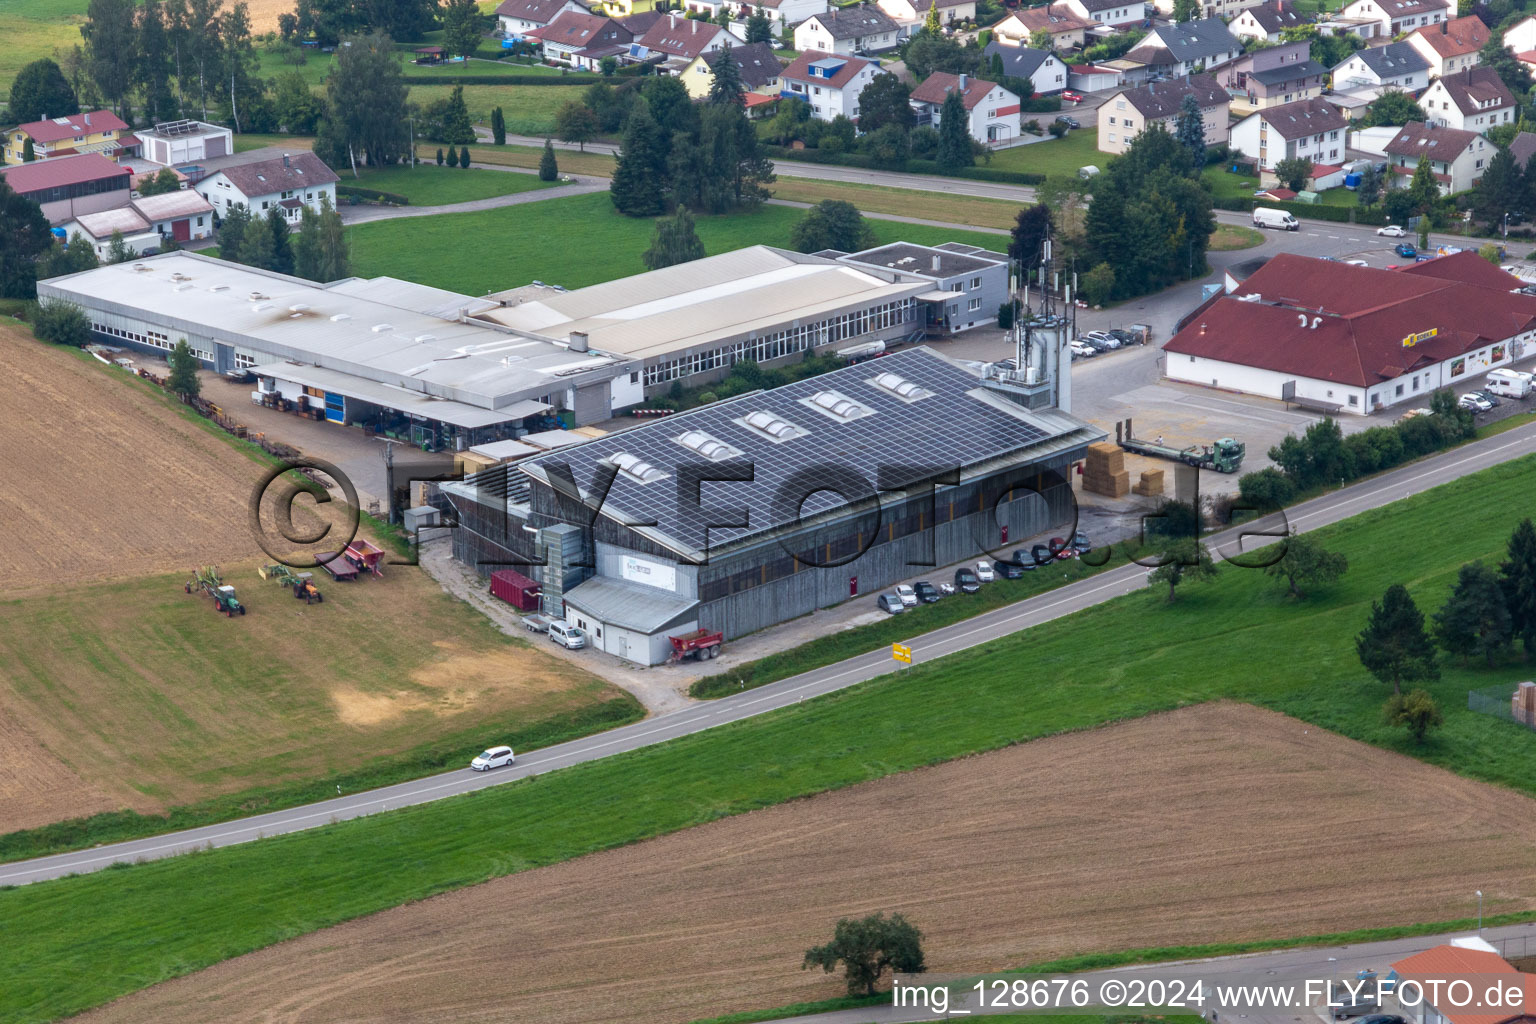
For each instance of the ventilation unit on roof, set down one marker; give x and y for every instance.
(425, 338)
(773, 427)
(339, 317)
(711, 448)
(178, 276)
(218, 287)
(636, 468)
(256, 296)
(839, 407)
(381, 328)
(901, 387)
(298, 307)
(140, 267)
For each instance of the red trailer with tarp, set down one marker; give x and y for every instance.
(516, 589)
(366, 555)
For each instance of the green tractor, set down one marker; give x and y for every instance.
(208, 581)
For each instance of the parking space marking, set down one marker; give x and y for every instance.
(1334, 237)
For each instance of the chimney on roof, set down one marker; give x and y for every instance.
(1445, 27)
(285, 160)
(962, 83)
(87, 120)
(936, 260)
(578, 341)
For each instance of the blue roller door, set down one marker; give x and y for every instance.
(335, 407)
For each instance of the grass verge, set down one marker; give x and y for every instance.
(1229, 237)
(81, 941)
(430, 185)
(608, 244)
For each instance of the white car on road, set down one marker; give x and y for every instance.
(984, 572)
(907, 594)
(496, 757)
(1391, 231)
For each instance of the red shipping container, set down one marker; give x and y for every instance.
(515, 589)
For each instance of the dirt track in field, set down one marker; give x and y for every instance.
(103, 480)
(1203, 825)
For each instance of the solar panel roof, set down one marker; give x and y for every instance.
(947, 423)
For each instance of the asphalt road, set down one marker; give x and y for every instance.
(927, 647)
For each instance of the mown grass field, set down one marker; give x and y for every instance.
(529, 109)
(1057, 158)
(576, 241)
(81, 941)
(430, 185)
(1229, 237)
(35, 28)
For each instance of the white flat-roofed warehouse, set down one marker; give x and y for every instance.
(365, 350)
(691, 322)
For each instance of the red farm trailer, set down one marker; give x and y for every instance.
(365, 555)
(516, 589)
(700, 645)
(340, 569)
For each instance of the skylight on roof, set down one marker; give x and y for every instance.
(711, 448)
(775, 428)
(636, 468)
(836, 405)
(901, 387)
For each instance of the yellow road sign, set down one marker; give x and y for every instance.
(901, 652)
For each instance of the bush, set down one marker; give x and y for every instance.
(1040, 104)
(1266, 490)
(571, 78)
(373, 194)
(60, 323)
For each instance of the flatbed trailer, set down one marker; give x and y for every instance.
(1225, 456)
(339, 567)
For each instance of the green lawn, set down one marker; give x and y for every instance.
(529, 109)
(573, 242)
(33, 29)
(1226, 185)
(431, 185)
(78, 942)
(1057, 158)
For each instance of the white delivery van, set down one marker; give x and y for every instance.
(1509, 384)
(1265, 217)
(567, 635)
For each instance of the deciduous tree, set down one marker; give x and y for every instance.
(1293, 172)
(61, 323)
(1307, 564)
(367, 93)
(675, 241)
(1181, 561)
(885, 100)
(153, 69)
(575, 122)
(183, 376)
(111, 47)
(1394, 647)
(867, 947)
(41, 91)
(1416, 711)
(117, 249)
(832, 224)
(335, 261)
(1393, 107)
(463, 25)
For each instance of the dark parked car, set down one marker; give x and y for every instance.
(967, 581)
(927, 592)
(1007, 568)
(1080, 542)
(1068, 120)
(1488, 396)
(1405, 250)
(1041, 554)
(1125, 337)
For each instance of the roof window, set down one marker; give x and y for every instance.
(775, 428)
(711, 448)
(838, 406)
(901, 387)
(636, 468)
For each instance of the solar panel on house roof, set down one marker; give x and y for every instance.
(898, 443)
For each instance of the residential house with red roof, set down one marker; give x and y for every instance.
(95, 131)
(1473, 99)
(1108, 14)
(1385, 19)
(582, 40)
(829, 83)
(289, 182)
(148, 221)
(677, 41)
(992, 112)
(756, 63)
(1477, 964)
(1457, 158)
(68, 186)
(1066, 28)
(856, 30)
(911, 14)
(516, 18)
(1450, 46)
(1356, 339)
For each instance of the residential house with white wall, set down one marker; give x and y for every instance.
(992, 112)
(1457, 158)
(1066, 28)
(1394, 66)
(582, 40)
(1127, 113)
(516, 18)
(1307, 129)
(829, 83)
(911, 14)
(1474, 100)
(849, 30)
(1384, 19)
(1268, 77)
(1042, 68)
(1108, 13)
(1187, 47)
(1521, 36)
(1451, 46)
(289, 182)
(1267, 21)
(791, 12)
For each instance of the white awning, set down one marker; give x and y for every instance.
(412, 403)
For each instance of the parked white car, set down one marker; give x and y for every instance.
(984, 572)
(495, 757)
(1081, 351)
(572, 638)
(1474, 402)
(1391, 231)
(907, 594)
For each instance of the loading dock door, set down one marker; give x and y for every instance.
(335, 407)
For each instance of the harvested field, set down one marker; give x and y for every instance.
(1007, 858)
(132, 693)
(103, 479)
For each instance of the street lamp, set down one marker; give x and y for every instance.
(1479, 913)
(1335, 961)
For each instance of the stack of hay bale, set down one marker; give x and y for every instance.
(1150, 485)
(1104, 470)
(1523, 704)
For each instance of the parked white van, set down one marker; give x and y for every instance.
(567, 635)
(1264, 217)
(1509, 384)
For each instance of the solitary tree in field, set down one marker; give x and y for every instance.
(549, 170)
(183, 379)
(1307, 564)
(61, 323)
(1517, 577)
(832, 224)
(1417, 712)
(675, 241)
(498, 127)
(1394, 647)
(1183, 560)
(575, 122)
(1474, 619)
(868, 946)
